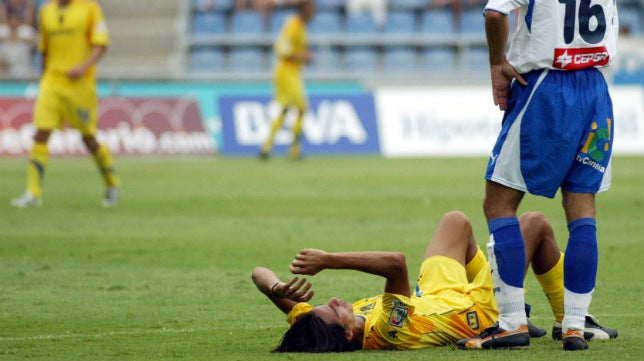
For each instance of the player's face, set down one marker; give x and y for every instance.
(336, 311)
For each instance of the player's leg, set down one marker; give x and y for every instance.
(507, 262)
(297, 97)
(545, 257)
(282, 97)
(588, 174)
(453, 238)
(38, 160)
(276, 125)
(46, 118)
(295, 152)
(83, 115)
(506, 253)
(580, 264)
(456, 269)
(105, 163)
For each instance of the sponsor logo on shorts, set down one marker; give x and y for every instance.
(580, 58)
(473, 320)
(596, 148)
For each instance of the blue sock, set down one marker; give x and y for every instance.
(508, 249)
(580, 261)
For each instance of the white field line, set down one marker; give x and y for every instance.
(163, 330)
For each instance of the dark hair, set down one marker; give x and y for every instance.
(311, 334)
(302, 4)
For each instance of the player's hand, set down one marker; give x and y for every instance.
(309, 262)
(502, 75)
(77, 72)
(295, 289)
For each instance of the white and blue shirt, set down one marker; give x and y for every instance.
(561, 34)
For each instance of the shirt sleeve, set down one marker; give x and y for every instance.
(284, 46)
(99, 35)
(505, 6)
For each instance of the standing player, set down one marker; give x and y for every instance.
(292, 53)
(557, 132)
(73, 37)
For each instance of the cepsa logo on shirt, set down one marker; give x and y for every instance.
(580, 58)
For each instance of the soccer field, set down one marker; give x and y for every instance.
(166, 274)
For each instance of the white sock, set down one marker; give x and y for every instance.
(575, 309)
(510, 300)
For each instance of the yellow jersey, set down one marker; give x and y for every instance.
(292, 39)
(67, 37)
(396, 322)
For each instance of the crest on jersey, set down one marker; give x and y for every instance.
(398, 314)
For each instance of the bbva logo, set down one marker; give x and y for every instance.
(326, 122)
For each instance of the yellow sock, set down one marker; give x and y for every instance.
(552, 283)
(475, 265)
(294, 153)
(277, 124)
(103, 159)
(36, 168)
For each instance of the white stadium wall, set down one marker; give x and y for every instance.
(463, 121)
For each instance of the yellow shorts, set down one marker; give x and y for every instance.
(445, 279)
(75, 105)
(289, 88)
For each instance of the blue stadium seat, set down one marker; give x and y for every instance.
(477, 59)
(206, 59)
(325, 60)
(247, 22)
(278, 18)
(213, 5)
(438, 59)
(400, 22)
(325, 22)
(207, 23)
(407, 4)
(439, 21)
(472, 21)
(362, 23)
(334, 5)
(246, 59)
(399, 59)
(361, 59)
(631, 17)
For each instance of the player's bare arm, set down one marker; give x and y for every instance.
(502, 73)
(390, 265)
(80, 70)
(285, 295)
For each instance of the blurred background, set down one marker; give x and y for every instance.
(394, 77)
(373, 41)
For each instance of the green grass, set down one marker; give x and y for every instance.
(166, 275)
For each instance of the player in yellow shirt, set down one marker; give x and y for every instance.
(453, 299)
(292, 53)
(73, 37)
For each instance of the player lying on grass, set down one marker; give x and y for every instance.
(454, 298)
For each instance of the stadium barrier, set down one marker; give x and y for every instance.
(188, 118)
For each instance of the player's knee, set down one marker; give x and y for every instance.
(457, 220)
(534, 218)
(41, 136)
(91, 143)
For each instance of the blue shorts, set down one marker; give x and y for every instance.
(556, 133)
